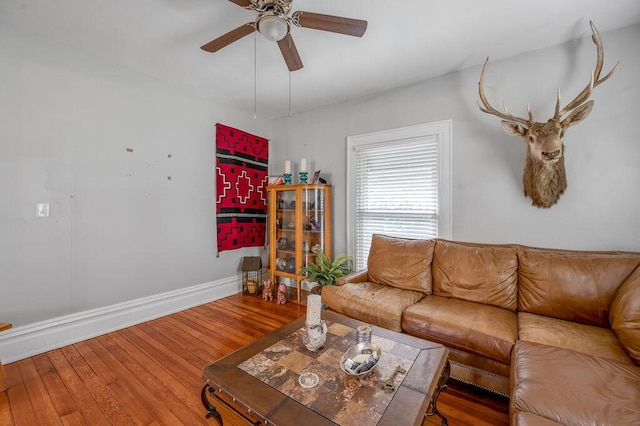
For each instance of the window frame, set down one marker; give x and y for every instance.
(443, 131)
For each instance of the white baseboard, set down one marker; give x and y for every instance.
(32, 339)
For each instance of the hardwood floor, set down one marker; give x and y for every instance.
(151, 373)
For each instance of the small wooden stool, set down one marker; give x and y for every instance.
(3, 380)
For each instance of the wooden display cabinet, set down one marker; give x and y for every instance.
(299, 218)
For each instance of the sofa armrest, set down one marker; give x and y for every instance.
(624, 315)
(354, 277)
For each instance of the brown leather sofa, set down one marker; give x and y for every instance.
(557, 331)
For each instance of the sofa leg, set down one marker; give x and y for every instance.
(442, 385)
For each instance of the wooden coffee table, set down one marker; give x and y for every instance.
(258, 384)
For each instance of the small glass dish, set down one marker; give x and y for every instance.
(308, 380)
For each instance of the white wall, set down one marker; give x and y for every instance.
(601, 207)
(119, 229)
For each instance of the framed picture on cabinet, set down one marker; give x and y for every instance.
(276, 180)
(316, 177)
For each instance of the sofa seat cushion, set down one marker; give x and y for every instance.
(522, 418)
(484, 330)
(374, 303)
(573, 388)
(588, 339)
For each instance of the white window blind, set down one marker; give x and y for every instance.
(395, 190)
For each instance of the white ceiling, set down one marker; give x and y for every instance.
(406, 41)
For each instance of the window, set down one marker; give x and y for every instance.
(399, 184)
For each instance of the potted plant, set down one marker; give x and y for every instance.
(324, 271)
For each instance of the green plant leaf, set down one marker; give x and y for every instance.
(324, 271)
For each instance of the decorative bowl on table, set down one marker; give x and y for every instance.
(360, 359)
(314, 336)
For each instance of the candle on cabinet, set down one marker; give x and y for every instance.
(314, 304)
(287, 167)
(303, 165)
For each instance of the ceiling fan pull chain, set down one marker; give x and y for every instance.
(255, 76)
(289, 93)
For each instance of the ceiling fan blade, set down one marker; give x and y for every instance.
(228, 38)
(290, 53)
(242, 3)
(334, 24)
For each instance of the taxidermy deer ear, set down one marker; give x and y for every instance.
(513, 128)
(577, 115)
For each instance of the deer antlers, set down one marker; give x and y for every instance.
(595, 78)
(579, 100)
(491, 110)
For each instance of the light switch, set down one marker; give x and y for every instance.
(42, 210)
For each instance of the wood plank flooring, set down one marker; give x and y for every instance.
(151, 373)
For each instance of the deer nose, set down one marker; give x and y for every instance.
(551, 155)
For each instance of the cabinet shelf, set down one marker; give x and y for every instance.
(312, 231)
(286, 251)
(279, 273)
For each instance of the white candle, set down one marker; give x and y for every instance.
(303, 165)
(314, 303)
(287, 167)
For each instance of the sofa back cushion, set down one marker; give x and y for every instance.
(476, 272)
(572, 285)
(401, 262)
(624, 314)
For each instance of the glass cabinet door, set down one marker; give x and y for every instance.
(285, 223)
(313, 223)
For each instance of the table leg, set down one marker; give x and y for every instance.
(211, 410)
(442, 385)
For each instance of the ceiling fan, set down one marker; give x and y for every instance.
(274, 22)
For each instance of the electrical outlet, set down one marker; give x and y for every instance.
(42, 210)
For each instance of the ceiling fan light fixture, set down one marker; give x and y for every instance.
(273, 27)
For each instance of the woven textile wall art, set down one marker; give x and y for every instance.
(241, 186)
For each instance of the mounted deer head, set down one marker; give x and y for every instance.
(544, 175)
